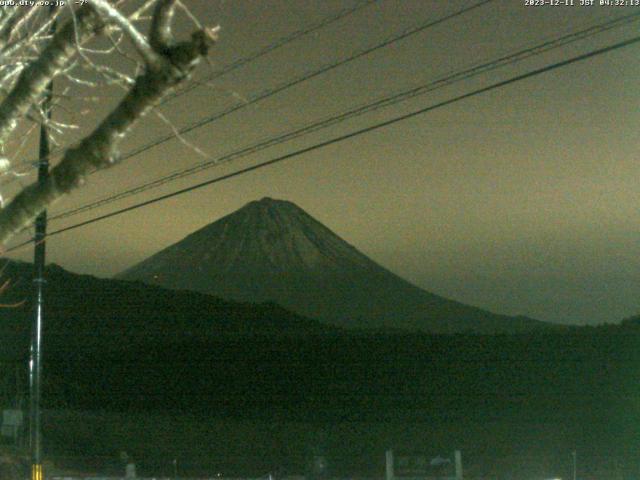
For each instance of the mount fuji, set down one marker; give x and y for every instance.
(273, 251)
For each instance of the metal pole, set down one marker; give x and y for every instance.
(458, 464)
(35, 360)
(390, 474)
(574, 454)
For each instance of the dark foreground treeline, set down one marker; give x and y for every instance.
(505, 401)
(249, 389)
(356, 377)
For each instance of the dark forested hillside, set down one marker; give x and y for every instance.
(490, 396)
(84, 309)
(133, 349)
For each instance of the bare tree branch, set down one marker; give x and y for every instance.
(8, 22)
(112, 14)
(160, 35)
(34, 79)
(99, 150)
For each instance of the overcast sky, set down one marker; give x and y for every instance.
(522, 200)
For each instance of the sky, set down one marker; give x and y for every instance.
(522, 200)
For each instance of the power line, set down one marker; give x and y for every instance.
(281, 42)
(274, 46)
(303, 78)
(369, 107)
(347, 136)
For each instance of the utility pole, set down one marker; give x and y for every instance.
(574, 454)
(390, 474)
(35, 360)
(35, 357)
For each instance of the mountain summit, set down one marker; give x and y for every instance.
(272, 250)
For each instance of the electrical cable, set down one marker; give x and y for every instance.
(360, 110)
(270, 48)
(303, 78)
(341, 138)
(281, 42)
